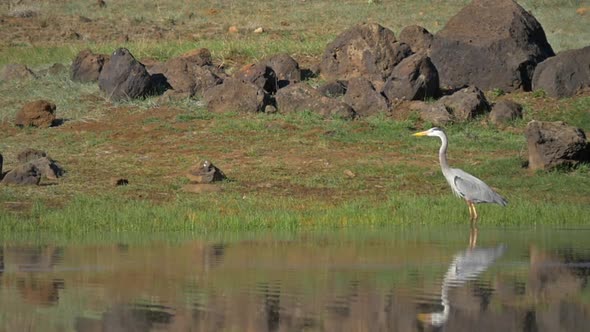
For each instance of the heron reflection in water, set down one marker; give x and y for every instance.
(467, 265)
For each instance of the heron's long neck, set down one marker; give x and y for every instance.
(442, 153)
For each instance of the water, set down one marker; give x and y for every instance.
(409, 279)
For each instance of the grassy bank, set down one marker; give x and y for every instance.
(228, 212)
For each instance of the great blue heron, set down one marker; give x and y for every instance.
(464, 185)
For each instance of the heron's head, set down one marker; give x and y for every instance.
(436, 131)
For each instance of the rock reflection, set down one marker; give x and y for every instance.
(1, 262)
(554, 280)
(27, 262)
(119, 318)
(213, 255)
(466, 266)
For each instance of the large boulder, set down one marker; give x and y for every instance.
(235, 95)
(123, 77)
(466, 103)
(15, 71)
(87, 66)
(188, 74)
(363, 98)
(286, 69)
(490, 44)
(417, 37)
(555, 144)
(564, 74)
(40, 113)
(44, 164)
(415, 78)
(368, 50)
(504, 111)
(300, 97)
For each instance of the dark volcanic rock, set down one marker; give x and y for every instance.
(363, 98)
(490, 44)
(87, 66)
(415, 78)
(40, 113)
(48, 167)
(286, 69)
(25, 174)
(553, 144)
(301, 97)
(43, 163)
(504, 111)
(418, 38)
(191, 73)
(367, 50)
(235, 95)
(123, 77)
(333, 88)
(435, 113)
(466, 103)
(564, 74)
(27, 155)
(260, 75)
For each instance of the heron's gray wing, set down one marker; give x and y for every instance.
(474, 189)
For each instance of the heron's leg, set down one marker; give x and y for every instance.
(470, 212)
(474, 212)
(472, 237)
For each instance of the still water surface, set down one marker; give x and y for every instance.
(409, 279)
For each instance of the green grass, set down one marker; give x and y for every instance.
(231, 212)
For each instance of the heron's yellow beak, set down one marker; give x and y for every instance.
(424, 318)
(422, 133)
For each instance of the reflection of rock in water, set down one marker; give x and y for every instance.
(341, 306)
(39, 291)
(466, 266)
(28, 261)
(550, 278)
(553, 280)
(38, 258)
(213, 255)
(123, 318)
(272, 305)
(1, 261)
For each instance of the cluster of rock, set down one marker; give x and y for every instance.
(488, 45)
(33, 165)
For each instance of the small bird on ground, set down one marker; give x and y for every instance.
(463, 184)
